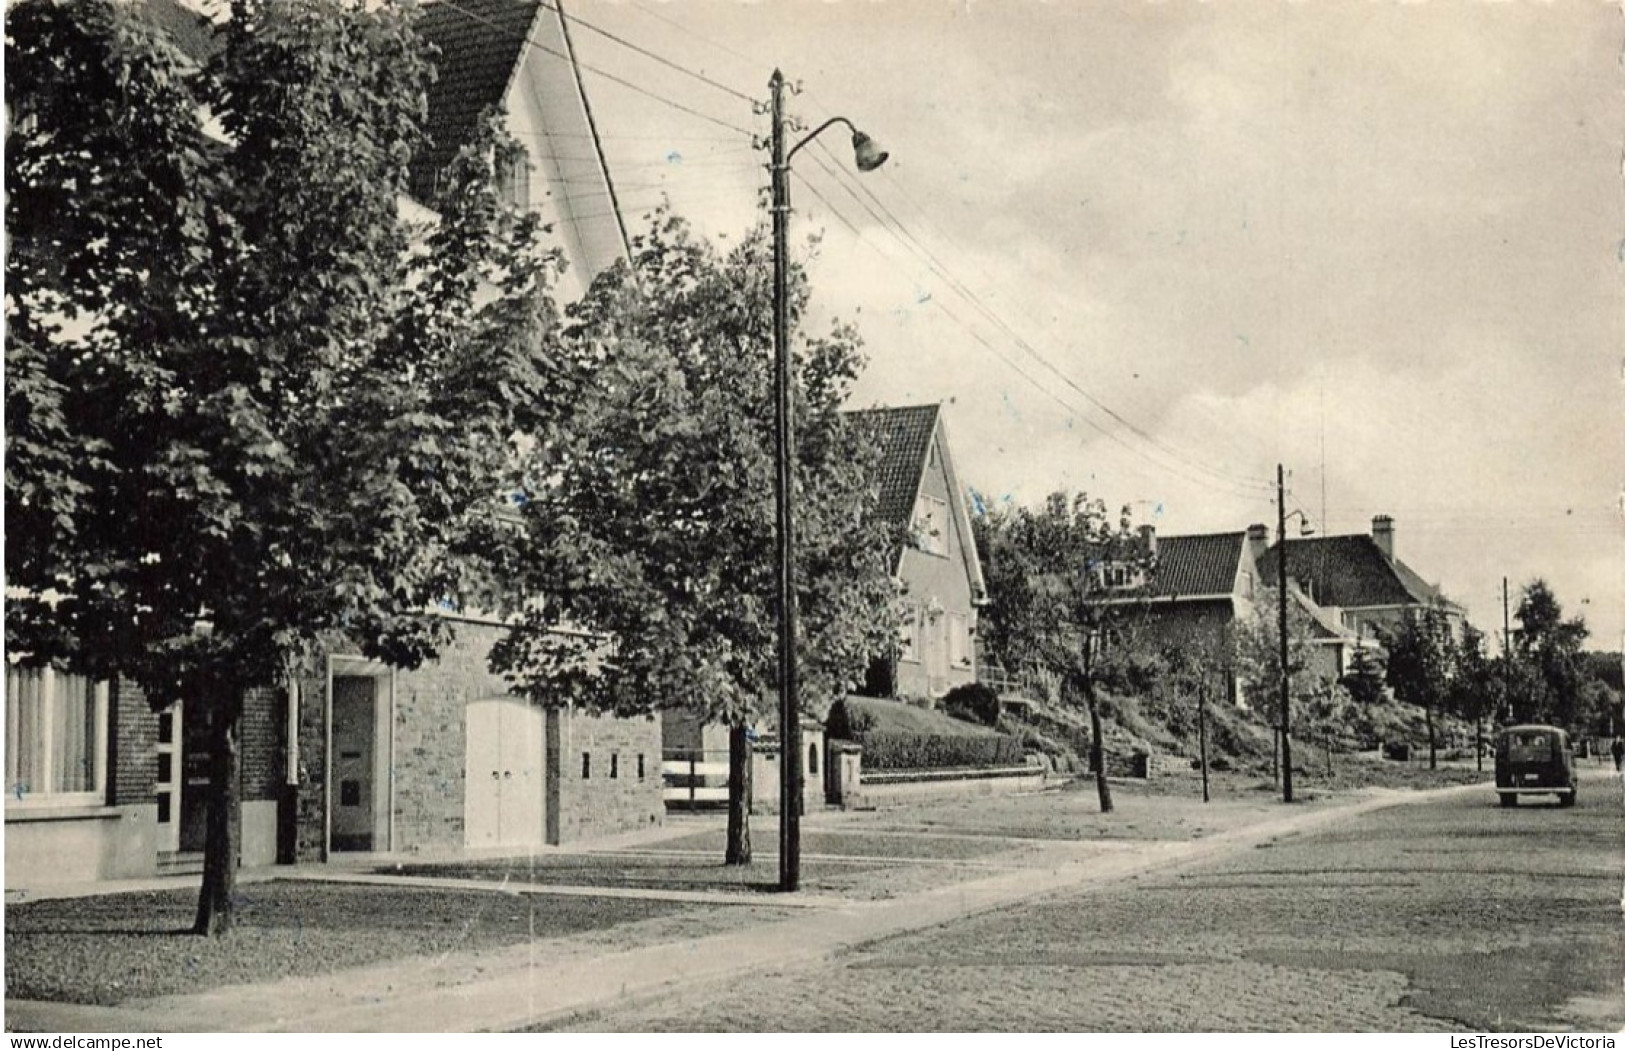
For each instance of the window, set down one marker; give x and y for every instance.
(586, 765)
(513, 180)
(56, 736)
(640, 766)
(931, 525)
(908, 641)
(958, 640)
(614, 766)
(1121, 576)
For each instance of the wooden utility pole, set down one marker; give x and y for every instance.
(1286, 675)
(1201, 730)
(784, 457)
(1506, 655)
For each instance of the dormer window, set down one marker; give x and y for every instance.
(1121, 576)
(931, 525)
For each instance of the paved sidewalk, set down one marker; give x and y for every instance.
(515, 989)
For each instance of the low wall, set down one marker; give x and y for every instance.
(80, 844)
(903, 787)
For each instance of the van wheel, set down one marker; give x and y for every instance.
(1509, 799)
(1567, 799)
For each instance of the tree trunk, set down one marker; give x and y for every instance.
(1433, 745)
(738, 852)
(1201, 734)
(1478, 737)
(1328, 756)
(1097, 751)
(222, 827)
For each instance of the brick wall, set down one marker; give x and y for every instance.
(132, 762)
(262, 730)
(607, 795)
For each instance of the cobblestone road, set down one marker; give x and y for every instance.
(1453, 915)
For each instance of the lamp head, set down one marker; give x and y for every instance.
(867, 155)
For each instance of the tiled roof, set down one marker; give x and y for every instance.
(1205, 564)
(1350, 572)
(480, 43)
(904, 436)
(192, 32)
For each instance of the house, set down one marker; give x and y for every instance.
(942, 583)
(353, 755)
(1360, 580)
(940, 571)
(1202, 584)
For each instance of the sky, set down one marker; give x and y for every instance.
(1151, 250)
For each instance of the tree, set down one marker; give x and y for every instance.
(1476, 685)
(1550, 646)
(1258, 654)
(651, 521)
(1366, 680)
(1420, 659)
(1324, 713)
(1061, 581)
(250, 408)
(1199, 663)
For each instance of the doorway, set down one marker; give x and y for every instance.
(359, 763)
(504, 774)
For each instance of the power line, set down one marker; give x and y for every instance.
(938, 267)
(701, 77)
(611, 77)
(646, 9)
(1011, 363)
(1216, 480)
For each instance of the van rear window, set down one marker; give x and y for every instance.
(1529, 747)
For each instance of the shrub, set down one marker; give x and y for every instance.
(973, 702)
(903, 751)
(847, 723)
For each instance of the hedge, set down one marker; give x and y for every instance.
(900, 751)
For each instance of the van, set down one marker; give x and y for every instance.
(1534, 760)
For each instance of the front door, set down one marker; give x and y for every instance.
(503, 775)
(354, 737)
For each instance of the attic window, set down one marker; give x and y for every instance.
(931, 525)
(513, 180)
(1121, 576)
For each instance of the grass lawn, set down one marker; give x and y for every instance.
(899, 717)
(117, 947)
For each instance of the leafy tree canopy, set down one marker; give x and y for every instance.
(649, 521)
(247, 404)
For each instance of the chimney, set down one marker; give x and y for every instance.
(1382, 531)
(1148, 539)
(1258, 540)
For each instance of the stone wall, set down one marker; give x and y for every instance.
(603, 775)
(429, 753)
(431, 742)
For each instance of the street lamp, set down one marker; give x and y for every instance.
(1286, 675)
(868, 157)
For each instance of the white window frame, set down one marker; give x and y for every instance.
(959, 649)
(909, 644)
(1121, 576)
(931, 525)
(96, 794)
